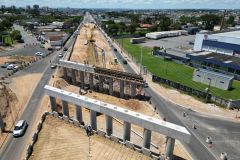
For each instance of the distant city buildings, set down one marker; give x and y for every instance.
(2, 6)
(13, 7)
(35, 6)
(28, 7)
(45, 8)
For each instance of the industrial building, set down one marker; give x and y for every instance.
(218, 51)
(214, 79)
(191, 30)
(163, 34)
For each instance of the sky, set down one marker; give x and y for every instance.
(129, 4)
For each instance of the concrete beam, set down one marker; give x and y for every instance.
(53, 103)
(78, 110)
(121, 88)
(93, 119)
(109, 125)
(133, 90)
(77, 66)
(166, 128)
(170, 142)
(100, 84)
(146, 138)
(91, 80)
(65, 108)
(111, 86)
(82, 78)
(65, 72)
(73, 77)
(126, 131)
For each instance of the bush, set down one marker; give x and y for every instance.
(17, 37)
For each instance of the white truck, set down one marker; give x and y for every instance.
(137, 40)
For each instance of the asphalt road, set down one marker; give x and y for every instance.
(225, 133)
(14, 147)
(25, 36)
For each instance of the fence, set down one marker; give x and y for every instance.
(128, 36)
(221, 101)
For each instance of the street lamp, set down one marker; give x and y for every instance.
(141, 59)
(208, 89)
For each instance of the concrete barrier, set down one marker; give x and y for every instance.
(65, 118)
(137, 149)
(34, 137)
(101, 133)
(114, 138)
(146, 151)
(129, 144)
(39, 126)
(76, 123)
(55, 114)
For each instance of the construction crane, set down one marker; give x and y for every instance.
(140, 90)
(222, 20)
(103, 54)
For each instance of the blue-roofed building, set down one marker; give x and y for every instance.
(214, 79)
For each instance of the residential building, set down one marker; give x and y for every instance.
(35, 6)
(13, 7)
(2, 6)
(28, 7)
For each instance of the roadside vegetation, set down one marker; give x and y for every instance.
(175, 72)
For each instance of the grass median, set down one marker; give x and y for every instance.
(176, 72)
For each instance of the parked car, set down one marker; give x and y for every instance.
(42, 42)
(65, 49)
(20, 128)
(50, 49)
(124, 61)
(11, 67)
(115, 49)
(41, 46)
(53, 66)
(5, 65)
(145, 84)
(60, 55)
(39, 54)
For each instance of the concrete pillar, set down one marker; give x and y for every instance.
(2, 123)
(146, 138)
(78, 110)
(133, 90)
(109, 125)
(73, 77)
(91, 80)
(100, 83)
(65, 72)
(82, 78)
(121, 88)
(93, 119)
(53, 103)
(169, 147)
(126, 131)
(65, 108)
(111, 86)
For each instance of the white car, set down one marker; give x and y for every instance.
(11, 67)
(145, 84)
(39, 54)
(60, 55)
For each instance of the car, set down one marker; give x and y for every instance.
(65, 49)
(53, 66)
(60, 55)
(145, 84)
(42, 42)
(124, 61)
(39, 54)
(115, 49)
(41, 46)
(50, 49)
(11, 67)
(5, 65)
(20, 128)
(111, 45)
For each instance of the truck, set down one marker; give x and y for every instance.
(137, 40)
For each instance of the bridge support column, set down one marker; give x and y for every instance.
(73, 77)
(126, 131)
(82, 78)
(78, 110)
(2, 123)
(53, 103)
(146, 138)
(109, 125)
(170, 142)
(93, 119)
(100, 84)
(121, 88)
(65, 108)
(111, 86)
(133, 90)
(65, 72)
(91, 81)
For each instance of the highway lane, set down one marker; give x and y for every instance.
(14, 147)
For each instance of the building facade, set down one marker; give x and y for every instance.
(35, 6)
(28, 7)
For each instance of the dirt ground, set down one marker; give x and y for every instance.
(61, 140)
(5, 49)
(183, 99)
(13, 58)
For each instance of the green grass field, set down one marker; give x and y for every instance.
(8, 40)
(176, 72)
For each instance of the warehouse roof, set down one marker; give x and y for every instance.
(216, 58)
(215, 74)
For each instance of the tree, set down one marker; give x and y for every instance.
(6, 23)
(230, 20)
(132, 27)
(24, 24)
(17, 37)
(112, 29)
(69, 30)
(147, 20)
(153, 28)
(15, 32)
(164, 23)
(233, 24)
(136, 20)
(177, 26)
(209, 20)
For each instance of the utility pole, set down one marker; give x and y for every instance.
(141, 61)
(208, 89)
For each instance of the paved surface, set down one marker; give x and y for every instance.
(14, 147)
(225, 133)
(26, 37)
